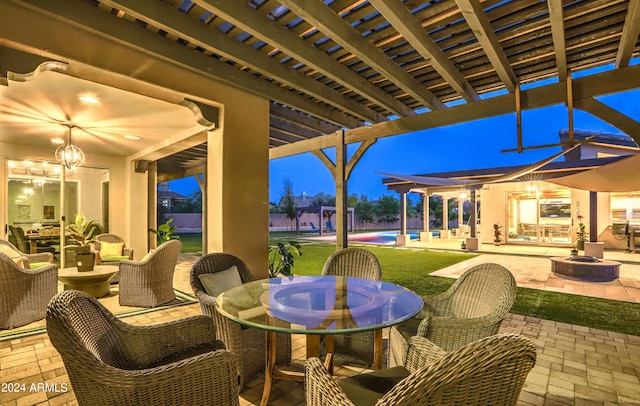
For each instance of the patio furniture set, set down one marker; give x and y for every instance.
(29, 281)
(455, 354)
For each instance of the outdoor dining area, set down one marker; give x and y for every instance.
(440, 350)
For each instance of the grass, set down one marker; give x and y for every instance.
(411, 268)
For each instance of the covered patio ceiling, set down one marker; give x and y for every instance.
(375, 68)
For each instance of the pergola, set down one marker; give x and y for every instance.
(312, 76)
(321, 210)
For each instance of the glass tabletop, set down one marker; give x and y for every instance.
(319, 304)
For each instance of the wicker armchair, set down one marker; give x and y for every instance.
(248, 344)
(112, 363)
(126, 253)
(149, 283)
(490, 371)
(25, 292)
(472, 308)
(357, 263)
(40, 257)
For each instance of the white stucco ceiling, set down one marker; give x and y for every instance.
(35, 109)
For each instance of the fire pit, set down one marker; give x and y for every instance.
(587, 268)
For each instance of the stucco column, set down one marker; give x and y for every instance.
(238, 181)
(425, 212)
(445, 213)
(460, 212)
(403, 213)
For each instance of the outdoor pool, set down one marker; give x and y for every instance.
(381, 238)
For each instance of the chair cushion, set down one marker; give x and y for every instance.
(149, 254)
(186, 354)
(218, 282)
(34, 265)
(16, 256)
(367, 389)
(113, 259)
(408, 328)
(110, 249)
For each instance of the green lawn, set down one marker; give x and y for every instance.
(411, 268)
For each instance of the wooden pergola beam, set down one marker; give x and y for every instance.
(556, 16)
(481, 26)
(411, 29)
(630, 33)
(325, 19)
(612, 116)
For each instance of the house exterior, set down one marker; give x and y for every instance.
(593, 185)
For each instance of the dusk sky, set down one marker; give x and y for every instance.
(466, 146)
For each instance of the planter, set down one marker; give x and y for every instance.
(580, 244)
(85, 261)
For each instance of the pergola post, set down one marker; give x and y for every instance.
(341, 192)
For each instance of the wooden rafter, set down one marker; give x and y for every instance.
(317, 13)
(630, 34)
(406, 24)
(556, 16)
(481, 26)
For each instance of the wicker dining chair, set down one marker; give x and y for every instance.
(357, 263)
(113, 363)
(149, 282)
(472, 308)
(248, 344)
(490, 371)
(25, 292)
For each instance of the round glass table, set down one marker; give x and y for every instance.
(315, 306)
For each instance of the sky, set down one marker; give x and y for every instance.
(465, 146)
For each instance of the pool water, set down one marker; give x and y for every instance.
(378, 238)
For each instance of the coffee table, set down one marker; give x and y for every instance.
(96, 282)
(315, 306)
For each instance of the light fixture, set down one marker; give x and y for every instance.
(70, 155)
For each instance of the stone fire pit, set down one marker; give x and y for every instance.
(588, 268)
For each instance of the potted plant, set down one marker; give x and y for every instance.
(497, 234)
(581, 233)
(165, 232)
(281, 258)
(83, 233)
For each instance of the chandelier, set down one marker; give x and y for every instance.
(70, 155)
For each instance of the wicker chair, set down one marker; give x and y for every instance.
(126, 253)
(112, 363)
(249, 344)
(472, 308)
(25, 292)
(149, 283)
(40, 257)
(357, 263)
(490, 371)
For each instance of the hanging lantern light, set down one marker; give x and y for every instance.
(70, 155)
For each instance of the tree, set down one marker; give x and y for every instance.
(388, 209)
(365, 209)
(288, 202)
(325, 200)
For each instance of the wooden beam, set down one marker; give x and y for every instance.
(324, 158)
(630, 33)
(302, 119)
(611, 116)
(411, 29)
(556, 16)
(570, 107)
(518, 117)
(181, 25)
(481, 26)
(259, 25)
(320, 15)
(357, 155)
(142, 54)
(587, 86)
